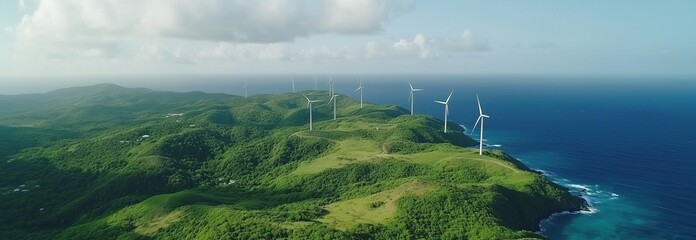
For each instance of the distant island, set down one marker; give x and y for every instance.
(108, 162)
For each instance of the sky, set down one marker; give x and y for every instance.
(493, 37)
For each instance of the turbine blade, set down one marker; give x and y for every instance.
(305, 96)
(410, 96)
(475, 124)
(448, 98)
(417, 90)
(409, 84)
(479, 104)
(440, 102)
(357, 89)
(486, 116)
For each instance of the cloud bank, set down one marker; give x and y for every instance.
(243, 21)
(70, 35)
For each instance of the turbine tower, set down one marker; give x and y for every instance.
(245, 89)
(293, 85)
(334, 98)
(480, 118)
(360, 88)
(410, 97)
(446, 103)
(309, 105)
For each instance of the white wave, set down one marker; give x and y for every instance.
(584, 191)
(495, 145)
(590, 210)
(581, 187)
(545, 172)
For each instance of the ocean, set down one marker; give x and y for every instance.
(625, 144)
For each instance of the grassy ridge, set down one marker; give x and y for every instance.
(218, 166)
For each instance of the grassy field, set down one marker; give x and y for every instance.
(377, 208)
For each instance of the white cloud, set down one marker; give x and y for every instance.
(419, 45)
(465, 43)
(248, 30)
(325, 53)
(244, 52)
(258, 21)
(158, 53)
(354, 16)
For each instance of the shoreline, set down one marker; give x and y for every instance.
(587, 207)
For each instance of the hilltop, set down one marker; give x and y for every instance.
(105, 162)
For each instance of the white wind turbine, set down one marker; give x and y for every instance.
(331, 86)
(334, 99)
(315, 82)
(410, 97)
(360, 88)
(293, 85)
(446, 103)
(245, 89)
(309, 105)
(480, 118)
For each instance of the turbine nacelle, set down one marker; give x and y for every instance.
(446, 103)
(309, 105)
(333, 97)
(411, 95)
(360, 88)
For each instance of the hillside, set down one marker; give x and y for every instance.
(105, 162)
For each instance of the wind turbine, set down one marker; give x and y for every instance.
(410, 97)
(360, 88)
(245, 89)
(446, 103)
(315, 82)
(331, 86)
(480, 118)
(293, 85)
(334, 99)
(309, 105)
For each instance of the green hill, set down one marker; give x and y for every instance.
(106, 162)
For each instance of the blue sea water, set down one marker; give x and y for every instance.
(628, 142)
